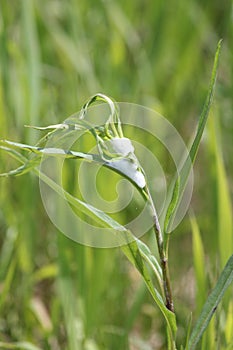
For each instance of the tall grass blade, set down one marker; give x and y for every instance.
(32, 49)
(177, 189)
(200, 278)
(224, 207)
(224, 220)
(229, 324)
(188, 332)
(199, 265)
(211, 304)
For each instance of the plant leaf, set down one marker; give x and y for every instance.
(124, 166)
(211, 304)
(133, 253)
(225, 216)
(199, 264)
(187, 167)
(188, 331)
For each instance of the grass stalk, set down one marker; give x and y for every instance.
(162, 255)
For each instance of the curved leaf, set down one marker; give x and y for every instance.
(123, 166)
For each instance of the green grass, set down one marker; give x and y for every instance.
(53, 56)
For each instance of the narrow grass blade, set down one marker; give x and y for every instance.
(189, 326)
(211, 304)
(19, 345)
(206, 108)
(200, 278)
(7, 251)
(225, 219)
(32, 57)
(7, 282)
(229, 324)
(178, 187)
(199, 264)
(224, 207)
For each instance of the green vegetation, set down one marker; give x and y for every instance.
(57, 294)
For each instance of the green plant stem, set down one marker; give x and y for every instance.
(162, 255)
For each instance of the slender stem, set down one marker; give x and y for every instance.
(163, 256)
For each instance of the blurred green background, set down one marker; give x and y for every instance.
(54, 55)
